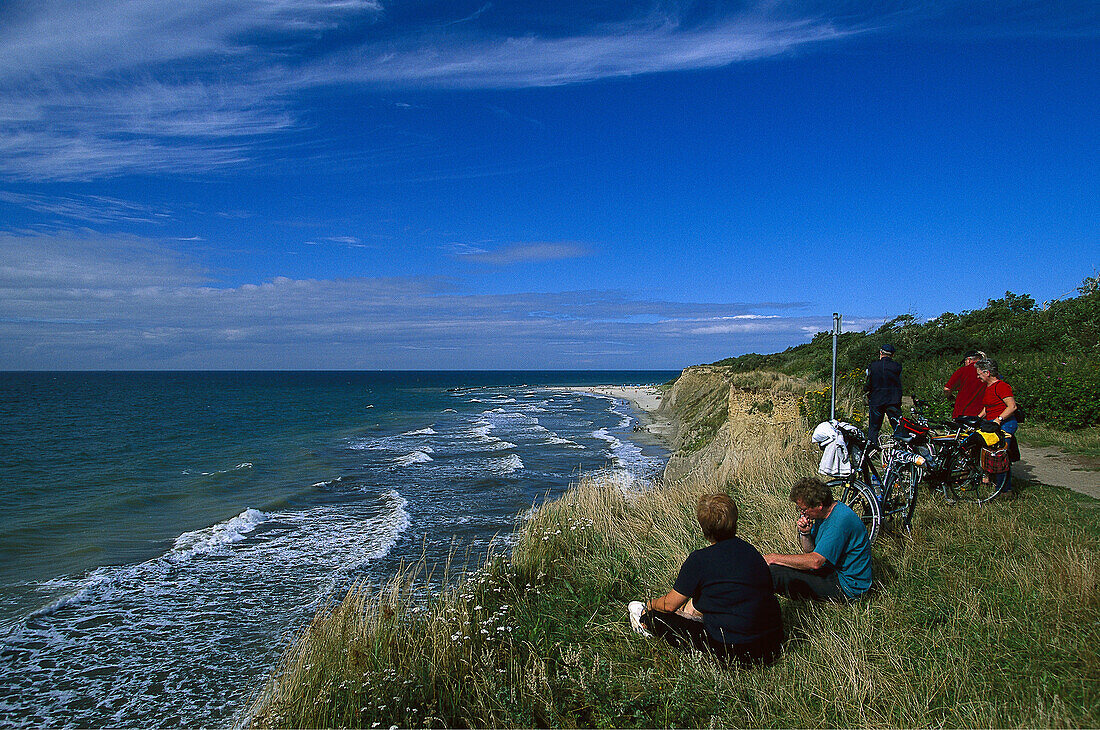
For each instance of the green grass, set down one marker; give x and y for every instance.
(984, 617)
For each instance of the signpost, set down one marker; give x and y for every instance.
(836, 334)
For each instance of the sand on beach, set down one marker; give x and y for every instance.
(647, 398)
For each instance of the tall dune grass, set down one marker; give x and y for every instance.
(982, 617)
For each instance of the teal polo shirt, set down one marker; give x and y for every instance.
(841, 539)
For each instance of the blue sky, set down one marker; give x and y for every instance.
(375, 185)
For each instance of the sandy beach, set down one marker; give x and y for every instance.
(646, 399)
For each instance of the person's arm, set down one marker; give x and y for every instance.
(805, 561)
(808, 560)
(953, 382)
(1010, 408)
(668, 603)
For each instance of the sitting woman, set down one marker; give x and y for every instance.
(722, 600)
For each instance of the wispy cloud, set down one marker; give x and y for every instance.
(152, 307)
(627, 49)
(520, 253)
(109, 87)
(103, 88)
(87, 208)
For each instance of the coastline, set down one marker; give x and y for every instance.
(647, 401)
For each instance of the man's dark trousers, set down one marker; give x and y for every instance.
(874, 416)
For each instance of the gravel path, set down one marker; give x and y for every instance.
(1048, 465)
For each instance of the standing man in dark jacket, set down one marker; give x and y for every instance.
(883, 392)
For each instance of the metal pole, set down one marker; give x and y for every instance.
(836, 334)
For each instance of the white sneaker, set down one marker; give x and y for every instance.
(636, 609)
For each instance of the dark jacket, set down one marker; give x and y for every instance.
(883, 383)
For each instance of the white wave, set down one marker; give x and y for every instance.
(209, 539)
(506, 465)
(187, 546)
(238, 467)
(556, 440)
(448, 410)
(97, 581)
(604, 435)
(482, 428)
(394, 523)
(429, 431)
(416, 457)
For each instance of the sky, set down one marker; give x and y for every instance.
(415, 184)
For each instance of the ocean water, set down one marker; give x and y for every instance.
(165, 534)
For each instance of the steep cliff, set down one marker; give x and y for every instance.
(718, 410)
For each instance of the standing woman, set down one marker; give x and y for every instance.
(999, 406)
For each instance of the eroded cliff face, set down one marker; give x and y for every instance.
(718, 411)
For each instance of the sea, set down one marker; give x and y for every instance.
(165, 535)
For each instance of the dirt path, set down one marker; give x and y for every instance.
(1048, 465)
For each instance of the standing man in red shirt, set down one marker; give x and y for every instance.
(965, 380)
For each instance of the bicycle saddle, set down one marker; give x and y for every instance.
(970, 421)
(907, 437)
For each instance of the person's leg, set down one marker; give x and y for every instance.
(761, 652)
(1009, 427)
(893, 412)
(874, 423)
(676, 629)
(803, 585)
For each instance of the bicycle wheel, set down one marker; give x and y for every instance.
(900, 497)
(966, 480)
(863, 502)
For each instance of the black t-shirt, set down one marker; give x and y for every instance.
(731, 585)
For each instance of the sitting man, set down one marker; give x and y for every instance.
(722, 600)
(835, 562)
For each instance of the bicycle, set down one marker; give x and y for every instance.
(880, 501)
(956, 453)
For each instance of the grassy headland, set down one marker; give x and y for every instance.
(983, 616)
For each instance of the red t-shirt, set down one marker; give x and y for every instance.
(994, 399)
(968, 401)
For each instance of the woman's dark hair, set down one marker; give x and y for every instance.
(973, 354)
(812, 492)
(989, 365)
(717, 515)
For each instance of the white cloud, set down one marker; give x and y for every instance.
(527, 60)
(88, 208)
(93, 302)
(520, 253)
(108, 87)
